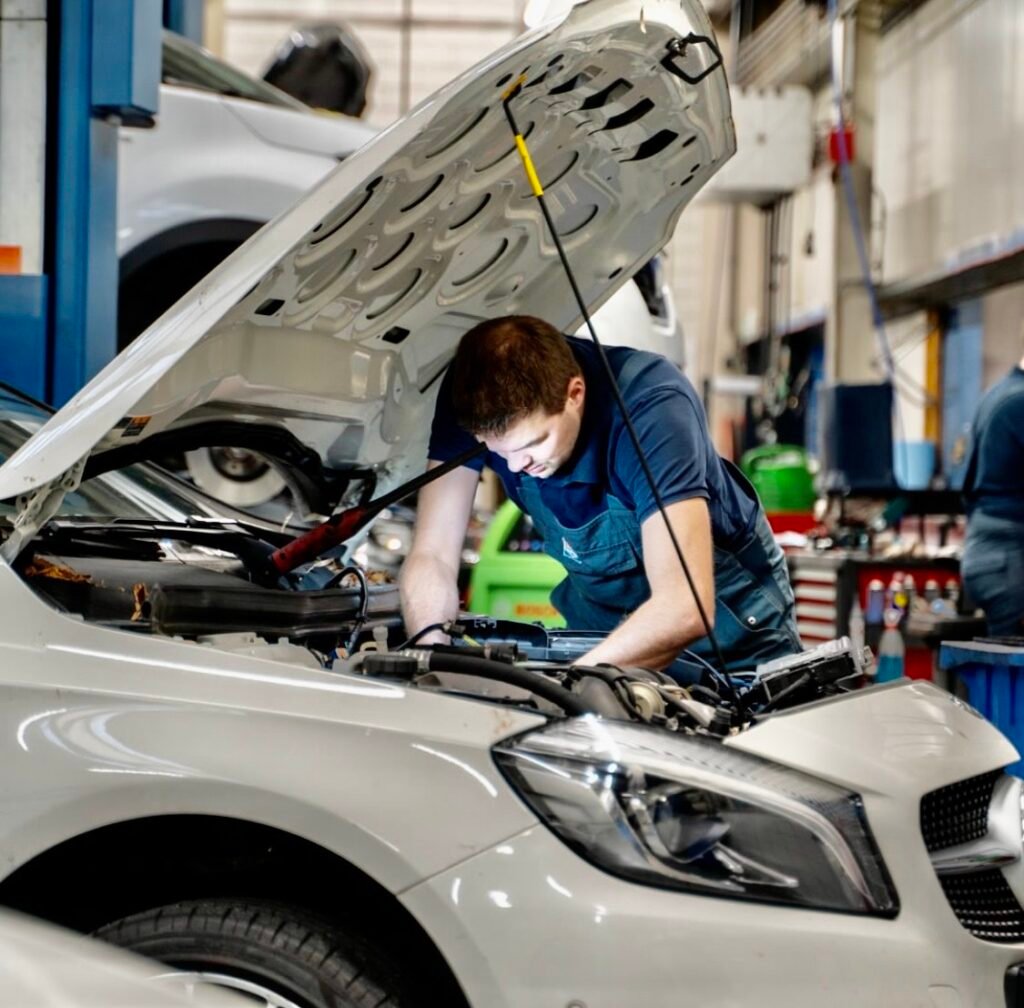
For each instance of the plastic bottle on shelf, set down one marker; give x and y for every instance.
(953, 595)
(898, 595)
(857, 627)
(909, 591)
(875, 603)
(890, 649)
(931, 591)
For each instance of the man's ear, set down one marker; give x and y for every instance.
(575, 391)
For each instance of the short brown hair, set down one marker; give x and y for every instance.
(506, 368)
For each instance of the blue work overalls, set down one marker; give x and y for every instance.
(754, 618)
(993, 560)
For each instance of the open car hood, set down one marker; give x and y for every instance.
(320, 342)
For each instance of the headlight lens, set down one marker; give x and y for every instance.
(688, 813)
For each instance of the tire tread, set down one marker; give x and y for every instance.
(332, 967)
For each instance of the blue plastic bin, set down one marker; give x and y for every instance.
(994, 678)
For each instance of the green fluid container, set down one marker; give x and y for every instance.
(781, 476)
(514, 578)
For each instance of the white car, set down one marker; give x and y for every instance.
(192, 768)
(227, 153)
(42, 966)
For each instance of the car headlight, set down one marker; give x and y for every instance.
(683, 812)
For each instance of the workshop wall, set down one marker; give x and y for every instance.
(1002, 316)
(415, 45)
(949, 150)
(803, 251)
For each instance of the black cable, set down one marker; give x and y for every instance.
(364, 605)
(512, 675)
(710, 696)
(614, 678)
(693, 656)
(620, 402)
(423, 631)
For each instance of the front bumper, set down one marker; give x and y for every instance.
(528, 924)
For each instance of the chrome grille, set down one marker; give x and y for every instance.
(985, 905)
(957, 816)
(957, 813)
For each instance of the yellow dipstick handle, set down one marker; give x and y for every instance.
(531, 172)
(513, 87)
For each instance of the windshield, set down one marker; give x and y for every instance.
(135, 492)
(187, 65)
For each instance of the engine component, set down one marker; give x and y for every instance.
(513, 675)
(648, 700)
(183, 599)
(830, 668)
(601, 698)
(256, 647)
(393, 664)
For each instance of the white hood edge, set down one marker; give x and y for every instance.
(904, 739)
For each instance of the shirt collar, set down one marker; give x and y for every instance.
(587, 462)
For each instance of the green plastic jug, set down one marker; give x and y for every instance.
(781, 476)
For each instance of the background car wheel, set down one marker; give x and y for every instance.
(279, 956)
(150, 290)
(236, 476)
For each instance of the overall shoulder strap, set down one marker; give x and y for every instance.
(631, 365)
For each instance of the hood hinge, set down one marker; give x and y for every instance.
(35, 509)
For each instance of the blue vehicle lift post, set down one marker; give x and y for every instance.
(103, 70)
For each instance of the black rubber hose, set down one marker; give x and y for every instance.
(513, 675)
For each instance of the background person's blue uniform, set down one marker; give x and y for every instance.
(993, 564)
(590, 512)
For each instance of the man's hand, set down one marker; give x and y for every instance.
(669, 620)
(429, 578)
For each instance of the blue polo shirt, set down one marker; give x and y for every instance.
(994, 481)
(672, 428)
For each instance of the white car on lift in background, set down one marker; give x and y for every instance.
(191, 768)
(228, 152)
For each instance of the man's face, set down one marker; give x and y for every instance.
(540, 443)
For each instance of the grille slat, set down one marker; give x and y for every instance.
(957, 813)
(983, 901)
(985, 905)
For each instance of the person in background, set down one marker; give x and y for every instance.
(542, 405)
(993, 563)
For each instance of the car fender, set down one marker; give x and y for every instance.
(99, 726)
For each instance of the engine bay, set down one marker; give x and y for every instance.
(209, 583)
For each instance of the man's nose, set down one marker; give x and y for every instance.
(518, 462)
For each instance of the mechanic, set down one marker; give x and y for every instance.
(993, 562)
(541, 403)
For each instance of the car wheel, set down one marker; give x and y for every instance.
(278, 956)
(150, 290)
(236, 476)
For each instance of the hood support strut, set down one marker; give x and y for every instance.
(37, 508)
(345, 524)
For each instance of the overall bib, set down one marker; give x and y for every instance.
(754, 603)
(993, 571)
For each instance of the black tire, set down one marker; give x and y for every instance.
(149, 291)
(283, 950)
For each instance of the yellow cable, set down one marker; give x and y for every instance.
(531, 172)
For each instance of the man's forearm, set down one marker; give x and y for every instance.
(652, 636)
(430, 592)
